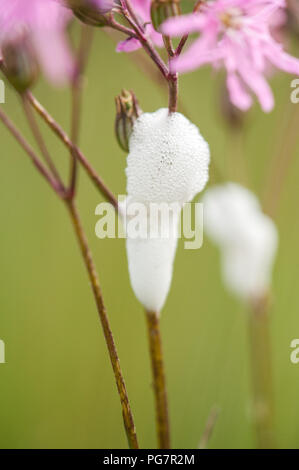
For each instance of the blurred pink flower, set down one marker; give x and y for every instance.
(142, 9)
(44, 21)
(235, 34)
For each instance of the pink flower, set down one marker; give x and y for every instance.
(44, 21)
(235, 34)
(142, 9)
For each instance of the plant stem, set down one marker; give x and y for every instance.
(155, 346)
(93, 277)
(181, 45)
(30, 152)
(128, 13)
(173, 93)
(209, 428)
(90, 266)
(119, 27)
(281, 163)
(76, 91)
(40, 141)
(261, 366)
(57, 129)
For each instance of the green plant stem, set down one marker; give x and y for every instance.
(159, 382)
(93, 277)
(261, 367)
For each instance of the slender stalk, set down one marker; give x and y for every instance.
(168, 46)
(173, 93)
(76, 90)
(90, 266)
(123, 29)
(30, 152)
(57, 129)
(209, 428)
(181, 45)
(93, 277)
(155, 346)
(147, 45)
(261, 366)
(282, 162)
(40, 141)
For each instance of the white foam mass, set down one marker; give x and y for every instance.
(150, 263)
(247, 238)
(167, 163)
(168, 159)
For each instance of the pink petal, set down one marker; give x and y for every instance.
(183, 24)
(238, 95)
(259, 86)
(202, 51)
(129, 45)
(281, 59)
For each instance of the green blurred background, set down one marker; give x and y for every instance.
(57, 388)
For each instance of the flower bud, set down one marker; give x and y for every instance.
(92, 12)
(21, 67)
(127, 111)
(163, 9)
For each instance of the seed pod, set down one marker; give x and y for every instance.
(161, 10)
(127, 111)
(92, 12)
(21, 67)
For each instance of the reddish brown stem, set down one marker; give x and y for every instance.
(156, 353)
(173, 93)
(57, 129)
(30, 152)
(93, 277)
(181, 45)
(40, 141)
(76, 89)
(145, 42)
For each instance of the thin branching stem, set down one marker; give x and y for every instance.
(92, 273)
(76, 91)
(159, 381)
(57, 129)
(31, 153)
(144, 40)
(93, 277)
(40, 141)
